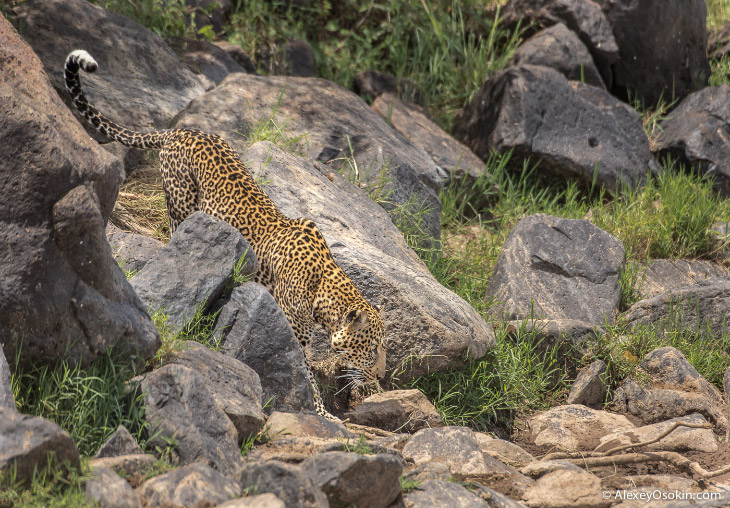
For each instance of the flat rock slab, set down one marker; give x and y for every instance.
(677, 389)
(449, 154)
(106, 489)
(558, 269)
(589, 387)
(26, 442)
(6, 390)
(180, 406)
(132, 251)
(561, 49)
(192, 271)
(696, 133)
(294, 450)
(304, 425)
(586, 19)
(573, 129)
(186, 487)
(63, 293)
(661, 48)
(119, 443)
(706, 303)
(141, 83)
(289, 483)
(235, 387)
(428, 327)
(680, 439)
(443, 494)
(567, 488)
(506, 452)
(252, 328)
(336, 123)
(349, 479)
(396, 411)
(666, 275)
(575, 427)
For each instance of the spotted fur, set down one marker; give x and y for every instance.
(201, 171)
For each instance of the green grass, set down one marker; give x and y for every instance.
(50, 488)
(718, 13)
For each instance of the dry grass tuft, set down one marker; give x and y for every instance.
(140, 206)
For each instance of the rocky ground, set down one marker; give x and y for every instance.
(216, 377)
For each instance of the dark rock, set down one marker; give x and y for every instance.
(338, 125)
(213, 13)
(573, 129)
(254, 330)
(349, 479)
(588, 388)
(396, 411)
(304, 425)
(376, 83)
(429, 328)
(584, 17)
(106, 489)
(706, 303)
(696, 133)
(6, 390)
(450, 155)
(63, 293)
(575, 427)
(443, 494)
(141, 84)
(558, 269)
(300, 58)
(661, 48)
(210, 62)
(31, 443)
(559, 48)
(235, 387)
(677, 389)
(188, 486)
(458, 448)
(119, 443)
(180, 406)
(238, 54)
(666, 275)
(290, 483)
(132, 251)
(192, 271)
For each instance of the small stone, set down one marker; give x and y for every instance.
(588, 388)
(133, 465)
(282, 425)
(105, 489)
(119, 443)
(567, 488)
(575, 427)
(290, 483)
(506, 452)
(396, 411)
(188, 486)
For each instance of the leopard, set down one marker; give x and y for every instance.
(202, 172)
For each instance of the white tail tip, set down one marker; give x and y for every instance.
(84, 59)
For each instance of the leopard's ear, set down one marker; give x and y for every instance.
(356, 318)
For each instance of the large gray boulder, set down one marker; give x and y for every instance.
(180, 407)
(573, 129)
(661, 47)
(120, 443)
(235, 387)
(559, 48)
(350, 479)
(696, 133)
(191, 272)
(252, 328)
(132, 251)
(141, 83)
(336, 125)
(62, 292)
(666, 275)
(558, 269)
(423, 320)
(31, 443)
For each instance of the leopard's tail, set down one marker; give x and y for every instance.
(81, 59)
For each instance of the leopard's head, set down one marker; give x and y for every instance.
(360, 343)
